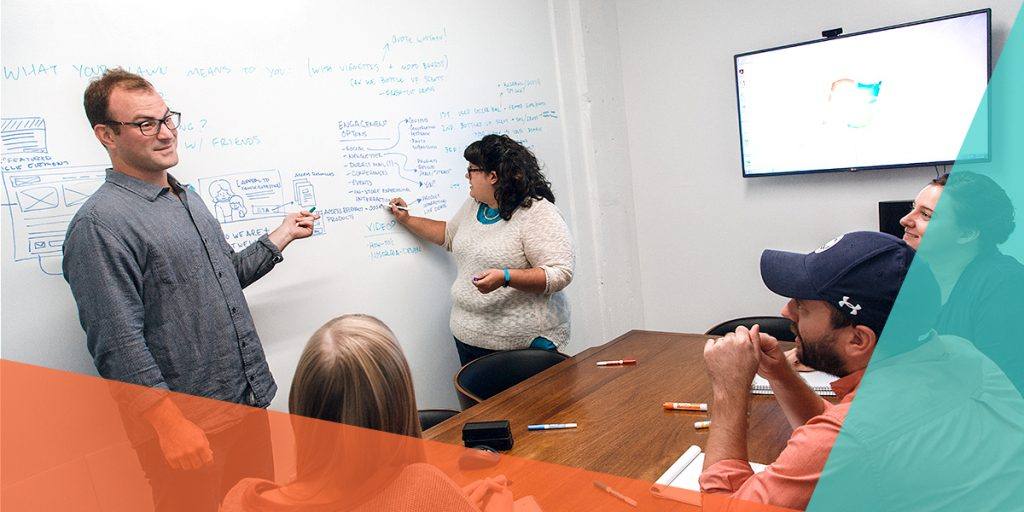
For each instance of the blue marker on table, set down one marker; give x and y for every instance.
(551, 426)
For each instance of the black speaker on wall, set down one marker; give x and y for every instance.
(889, 215)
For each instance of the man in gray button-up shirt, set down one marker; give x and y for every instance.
(159, 294)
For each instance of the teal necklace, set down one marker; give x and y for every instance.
(487, 215)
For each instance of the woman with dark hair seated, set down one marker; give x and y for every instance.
(357, 434)
(981, 286)
(512, 249)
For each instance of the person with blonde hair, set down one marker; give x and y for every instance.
(353, 372)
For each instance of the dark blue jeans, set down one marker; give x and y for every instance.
(468, 353)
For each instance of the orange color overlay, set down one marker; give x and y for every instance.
(64, 447)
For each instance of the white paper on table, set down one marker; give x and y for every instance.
(685, 472)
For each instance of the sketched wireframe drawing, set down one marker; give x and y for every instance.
(22, 135)
(40, 203)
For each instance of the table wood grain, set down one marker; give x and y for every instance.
(623, 429)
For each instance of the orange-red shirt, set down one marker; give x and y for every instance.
(790, 480)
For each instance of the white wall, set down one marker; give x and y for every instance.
(700, 226)
(606, 295)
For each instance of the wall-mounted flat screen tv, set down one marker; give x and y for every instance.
(901, 96)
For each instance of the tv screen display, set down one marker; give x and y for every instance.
(899, 96)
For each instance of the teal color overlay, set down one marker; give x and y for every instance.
(938, 421)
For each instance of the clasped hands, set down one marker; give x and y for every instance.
(733, 359)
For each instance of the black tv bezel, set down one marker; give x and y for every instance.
(985, 98)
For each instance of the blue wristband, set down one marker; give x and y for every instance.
(508, 278)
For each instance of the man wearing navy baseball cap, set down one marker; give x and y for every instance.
(840, 298)
(926, 393)
(857, 276)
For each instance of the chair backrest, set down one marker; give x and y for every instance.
(777, 326)
(431, 417)
(489, 375)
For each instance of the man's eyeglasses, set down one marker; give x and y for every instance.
(152, 126)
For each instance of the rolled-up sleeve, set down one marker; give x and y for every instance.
(725, 476)
(254, 261)
(790, 480)
(106, 282)
(548, 245)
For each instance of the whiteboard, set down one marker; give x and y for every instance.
(286, 105)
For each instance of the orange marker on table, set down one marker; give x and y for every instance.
(685, 406)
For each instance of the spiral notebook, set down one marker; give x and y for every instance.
(820, 382)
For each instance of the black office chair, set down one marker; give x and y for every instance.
(776, 326)
(431, 417)
(489, 375)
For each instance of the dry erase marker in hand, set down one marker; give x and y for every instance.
(618, 362)
(685, 406)
(702, 424)
(312, 209)
(604, 487)
(400, 207)
(551, 426)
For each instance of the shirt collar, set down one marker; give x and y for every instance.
(176, 185)
(848, 384)
(146, 190)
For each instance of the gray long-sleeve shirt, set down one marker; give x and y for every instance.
(159, 294)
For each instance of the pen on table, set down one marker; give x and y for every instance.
(617, 362)
(613, 492)
(551, 426)
(685, 406)
(702, 424)
(400, 207)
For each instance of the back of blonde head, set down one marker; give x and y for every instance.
(352, 371)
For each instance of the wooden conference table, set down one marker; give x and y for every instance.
(623, 429)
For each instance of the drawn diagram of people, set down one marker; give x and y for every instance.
(226, 203)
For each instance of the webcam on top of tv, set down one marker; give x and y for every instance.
(832, 33)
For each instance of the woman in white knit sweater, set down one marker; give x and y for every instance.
(512, 249)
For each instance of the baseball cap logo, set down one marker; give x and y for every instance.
(845, 303)
(828, 245)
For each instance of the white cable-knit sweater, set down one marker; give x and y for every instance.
(507, 318)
